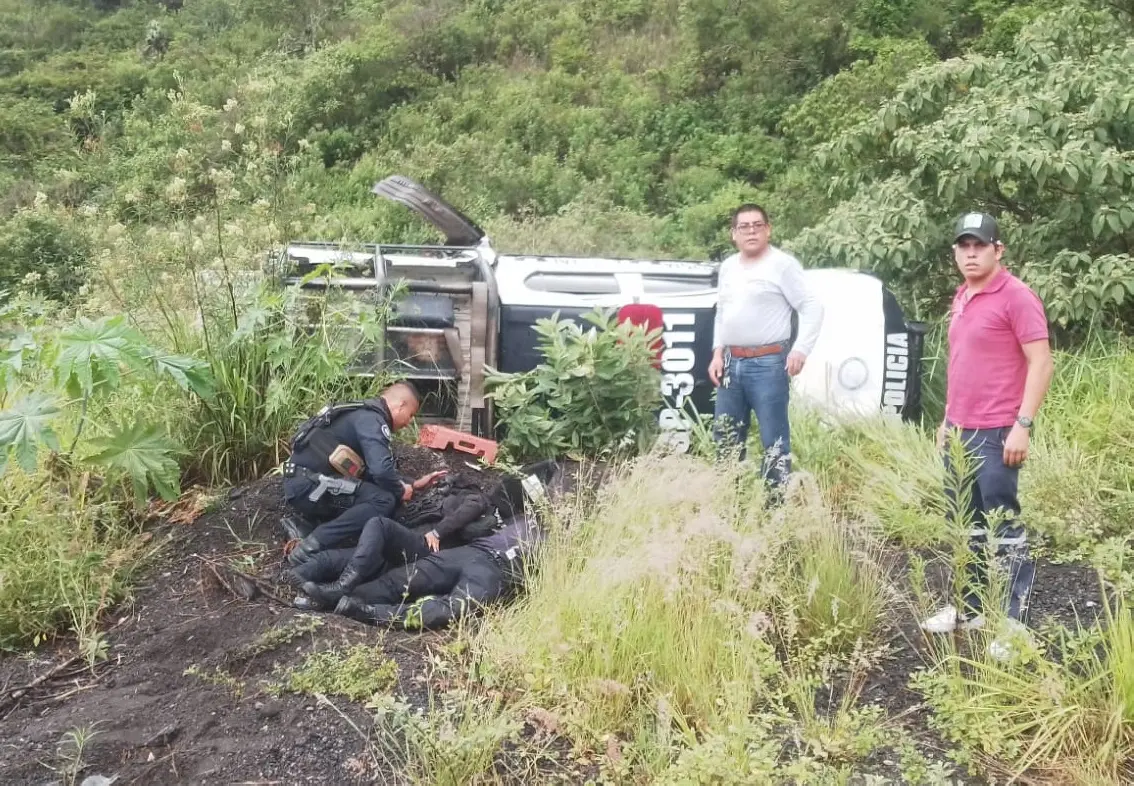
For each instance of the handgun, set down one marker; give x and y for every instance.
(318, 492)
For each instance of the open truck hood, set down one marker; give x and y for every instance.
(459, 229)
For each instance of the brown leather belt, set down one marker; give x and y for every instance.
(755, 352)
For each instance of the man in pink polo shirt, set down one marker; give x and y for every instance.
(999, 371)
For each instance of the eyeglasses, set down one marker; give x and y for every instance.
(756, 226)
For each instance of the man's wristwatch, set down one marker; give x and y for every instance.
(1024, 421)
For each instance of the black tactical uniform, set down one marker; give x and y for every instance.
(443, 587)
(346, 505)
(385, 543)
(488, 567)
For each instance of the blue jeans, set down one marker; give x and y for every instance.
(991, 486)
(759, 385)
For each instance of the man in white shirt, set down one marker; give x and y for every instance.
(759, 287)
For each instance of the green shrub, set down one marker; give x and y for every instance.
(358, 674)
(65, 557)
(44, 253)
(595, 392)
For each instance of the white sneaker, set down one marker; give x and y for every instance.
(1013, 636)
(949, 619)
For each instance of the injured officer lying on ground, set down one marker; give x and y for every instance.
(435, 589)
(463, 514)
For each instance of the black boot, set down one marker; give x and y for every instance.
(295, 527)
(304, 550)
(355, 609)
(304, 603)
(330, 594)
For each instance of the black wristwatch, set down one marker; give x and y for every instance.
(1026, 422)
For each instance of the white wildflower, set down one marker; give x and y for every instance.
(177, 190)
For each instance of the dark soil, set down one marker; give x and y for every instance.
(184, 694)
(155, 723)
(1066, 594)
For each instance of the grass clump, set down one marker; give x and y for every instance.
(357, 674)
(278, 635)
(276, 359)
(64, 558)
(665, 615)
(452, 742)
(885, 474)
(1063, 709)
(1077, 486)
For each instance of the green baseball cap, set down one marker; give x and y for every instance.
(979, 225)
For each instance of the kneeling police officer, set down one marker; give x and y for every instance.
(341, 472)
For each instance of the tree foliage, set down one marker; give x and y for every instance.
(1039, 136)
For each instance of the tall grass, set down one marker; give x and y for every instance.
(65, 556)
(667, 612)
(276, 360)
(1075, 489)
(680, 632)
(1078, 485)
(885, 474)
(1062, 711)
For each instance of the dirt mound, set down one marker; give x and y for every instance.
(190, 692)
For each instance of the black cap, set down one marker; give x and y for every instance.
(979, 225)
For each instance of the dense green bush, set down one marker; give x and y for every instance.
(43, 253)
(595, 393)
(1039, 135)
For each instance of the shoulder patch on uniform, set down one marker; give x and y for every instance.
(386, 431)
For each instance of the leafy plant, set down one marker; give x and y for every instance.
(24, 427)
(358, 673)
(595, 392)
(89, 360)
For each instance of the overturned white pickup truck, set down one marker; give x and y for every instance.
(466, 306)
